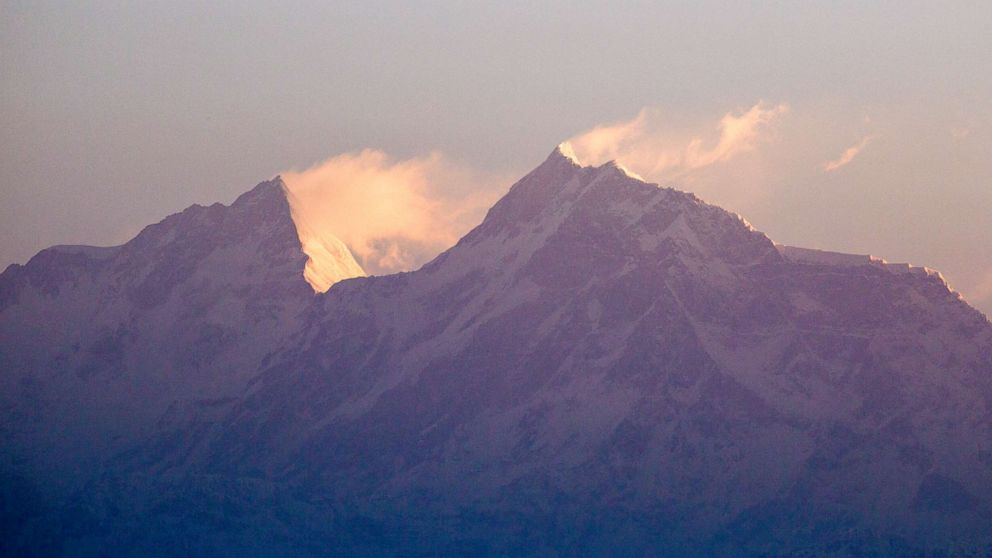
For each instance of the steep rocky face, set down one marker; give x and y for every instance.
(328, 258)
(602, 366)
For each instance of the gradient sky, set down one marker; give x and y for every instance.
(116, 114)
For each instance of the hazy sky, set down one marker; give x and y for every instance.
(836, 125)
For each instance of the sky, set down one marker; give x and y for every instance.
(848, 126)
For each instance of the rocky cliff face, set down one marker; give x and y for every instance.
(602, 366)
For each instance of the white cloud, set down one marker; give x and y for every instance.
(646, 146)
(847, 156)
(393, 215)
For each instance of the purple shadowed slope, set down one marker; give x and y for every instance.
(602, 366)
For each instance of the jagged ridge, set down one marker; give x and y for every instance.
(601, 366)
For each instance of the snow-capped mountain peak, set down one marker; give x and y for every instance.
(601, 366)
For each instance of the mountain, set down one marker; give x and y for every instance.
(601, 367)
(98, 342)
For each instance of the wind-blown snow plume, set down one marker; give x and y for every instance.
(649, 148)
(847, 156)
(328, 259)
(393, 215)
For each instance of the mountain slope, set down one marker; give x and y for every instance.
(99, 342)
(602, 366)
